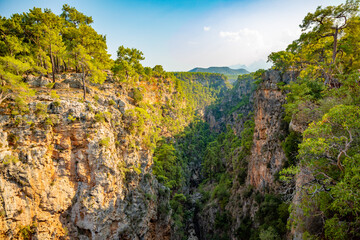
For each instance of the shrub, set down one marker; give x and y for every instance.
(71, 118)
(12, 139)
(291, 147)
(138, 97)
(105, 142)
(269, 234)
(21, 105)
(10, 159)
(41, 110)
(54, 95)
(57, 103)
(48, 122)
(111, 102)
(50, 85)
(99, 117)
(107, 116)
(26, 232)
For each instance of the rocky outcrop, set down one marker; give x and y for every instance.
(68, 170)
(267, 155)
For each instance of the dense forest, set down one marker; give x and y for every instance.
(199, 130)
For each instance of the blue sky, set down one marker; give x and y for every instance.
(181, 35)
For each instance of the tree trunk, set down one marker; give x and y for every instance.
(335, 45)
(57, 65)
(83, 80)
(53, 64)
(65, 65)
(76, 69)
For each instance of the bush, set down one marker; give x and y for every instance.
(111, 102)
(10, 159)
(48, 122)
(71, 118)
(13, 139)
(54, 95)
(222, 190)
(105, 142)
(41, 110)
(291, 147)
(269, 234)
(138, 97)
(99, 117)
(50, 85)
(57, 103)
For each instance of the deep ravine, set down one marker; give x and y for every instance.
(83, 169)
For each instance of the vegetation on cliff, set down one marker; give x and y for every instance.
(202, 166)
(324, 100)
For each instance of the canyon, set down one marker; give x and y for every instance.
(77, 170)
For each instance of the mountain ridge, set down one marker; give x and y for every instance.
(221, 70)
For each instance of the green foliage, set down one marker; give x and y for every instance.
(11, 70)
(166, 167)
(50, 85)
(96, 97)
(41, 110)
(26, 232)
(325, 47)
(111, 102)
(291, 147)
(13, 139)
(138, 97)
(272, 215)
(20, 105)
(222, 190)
(8, 159)
(48, 122)
(99, 117)
(269, 234)
(300, 100)
(127, 65)
(71, 118)
(105, 142)
(57, 103)
(282, 60)
(54, 95)
(234, 101)
(223, 221)
(202, 89)
(330, 152)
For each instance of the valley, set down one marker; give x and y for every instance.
(99, 148)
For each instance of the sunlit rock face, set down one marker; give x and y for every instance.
(66, 175)
(267, 155)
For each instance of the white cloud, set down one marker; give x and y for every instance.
(207, 28)
(246, 36)
(241, 34)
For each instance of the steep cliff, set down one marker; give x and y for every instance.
(82, 169)
(267, 155)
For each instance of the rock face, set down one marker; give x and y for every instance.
(65, 173)
(267, 155)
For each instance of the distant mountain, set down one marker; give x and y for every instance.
(221, 70)
(259, 64)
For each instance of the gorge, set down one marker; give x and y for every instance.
(96, 148)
